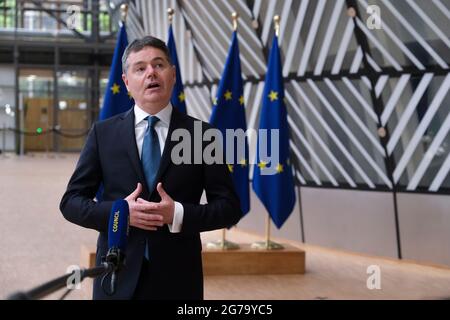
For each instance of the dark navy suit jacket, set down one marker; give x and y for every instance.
(110, 156)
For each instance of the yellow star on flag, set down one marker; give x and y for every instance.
(115, 88)
(241, 100)
(181, 97)
(273, 95)
(279, 168)
(228, 95)
(129, 95)
(230, 167)
(243, 162)
(262, 164)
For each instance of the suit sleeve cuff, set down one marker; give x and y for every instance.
(178, 215)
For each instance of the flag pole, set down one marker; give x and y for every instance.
(224, 244)
(268, 244)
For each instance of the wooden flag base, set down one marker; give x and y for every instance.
(242, 261)
(248, 261)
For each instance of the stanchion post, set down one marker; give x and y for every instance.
(46, 143)
(4, 140)
(50, 140)
(21, 125)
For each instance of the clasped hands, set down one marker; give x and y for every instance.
(150, 215)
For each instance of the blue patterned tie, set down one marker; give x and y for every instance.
(150, 158)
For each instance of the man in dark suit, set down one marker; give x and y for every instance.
(131, 154)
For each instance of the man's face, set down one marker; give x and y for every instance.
(150, 78)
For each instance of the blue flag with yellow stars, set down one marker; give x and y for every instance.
(229, 113)
(117, 98)
(273, 182)
(178, 98)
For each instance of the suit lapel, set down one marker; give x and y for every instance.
(129, 137)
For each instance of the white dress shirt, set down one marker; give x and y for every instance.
(162, 129)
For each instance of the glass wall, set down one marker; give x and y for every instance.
(41, 16)
(61, 126)
(7, 108)
(72, 109)
(36, 118)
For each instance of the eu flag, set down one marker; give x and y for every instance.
(117, 98)
(274, 186)
(178, 98)
(229, 113)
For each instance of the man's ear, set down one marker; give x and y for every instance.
(174, 70)
(125, 80)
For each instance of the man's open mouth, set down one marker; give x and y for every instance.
(153, 85)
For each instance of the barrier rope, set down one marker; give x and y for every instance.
(44, 132)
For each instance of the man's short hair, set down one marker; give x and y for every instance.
(139, 44)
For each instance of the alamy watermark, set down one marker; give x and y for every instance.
(73, 20)
(374, 280)
(74, 280)
(208, 146)
(374, 19)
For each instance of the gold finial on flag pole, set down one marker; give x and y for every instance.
(124, 12)
(276, 20)
(170, 13)
(235, 17)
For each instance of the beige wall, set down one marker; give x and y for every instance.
(364, 222)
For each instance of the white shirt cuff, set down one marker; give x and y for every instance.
(178, 215)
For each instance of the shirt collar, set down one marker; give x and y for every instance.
(164, 115)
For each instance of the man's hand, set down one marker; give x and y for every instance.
(165, 208)
(139, 217)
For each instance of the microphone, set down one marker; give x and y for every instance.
(119, 222)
